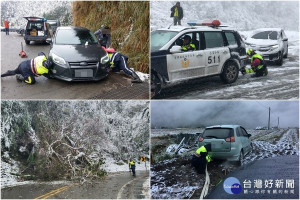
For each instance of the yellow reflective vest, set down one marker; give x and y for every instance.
(203, 149)
(131, 163)
(37, 66)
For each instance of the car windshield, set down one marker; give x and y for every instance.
(266, 35)
(160, 37)
(219, 133)
(73, 37)
(52, 23)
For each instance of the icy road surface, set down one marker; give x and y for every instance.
(177, 179)
(282, 82)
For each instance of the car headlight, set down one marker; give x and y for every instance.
(104, 59)
(58, 60)
(274, 47)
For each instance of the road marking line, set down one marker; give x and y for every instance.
(53, 192)
(122, 188)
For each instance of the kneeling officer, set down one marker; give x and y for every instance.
(29, 69)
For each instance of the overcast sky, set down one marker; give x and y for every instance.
(250, 114)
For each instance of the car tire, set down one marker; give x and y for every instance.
(280, 61)
(27, 41)
(155, 85)
(241, 158)
(230, 72)
(287, 51)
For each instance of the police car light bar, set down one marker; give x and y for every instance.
(213, 23)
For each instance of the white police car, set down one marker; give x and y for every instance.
(218, 51)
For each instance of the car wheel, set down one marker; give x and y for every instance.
(27, 41)
(280, 61)
(241, 158)
(155, 85)
(287, 50)
(230, 72)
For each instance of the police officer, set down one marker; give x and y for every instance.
(132, 166)
(201, 158)
(103, 35)
(29, 69)
(119, 62)
(258, 65)
(187, 44)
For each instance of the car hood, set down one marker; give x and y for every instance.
(79, 53)
(261, 42)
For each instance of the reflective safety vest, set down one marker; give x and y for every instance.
(203, 149)
(258, 57)
(131, 163)
(37, 66)
(176, 12)
(185, 47)
(112, 57)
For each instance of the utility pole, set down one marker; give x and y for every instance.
(269, 118)
(278, 123)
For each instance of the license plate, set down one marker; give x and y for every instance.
(83, 73)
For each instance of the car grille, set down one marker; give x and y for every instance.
(83, 70)
(82, 64)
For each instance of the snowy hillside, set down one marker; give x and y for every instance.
(14, 11)
(71, 139)
(243, 15)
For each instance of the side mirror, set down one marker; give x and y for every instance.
(175, 49)
(49, 40)
(249, 135)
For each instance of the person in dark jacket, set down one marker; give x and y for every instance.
(119, 62)
(201, 158)
(103, 35)
(177, 13)
(29, 69)
(132, 166)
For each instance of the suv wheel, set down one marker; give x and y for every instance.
(27, 41)
(241, 158)
(287, 50)
(230, 72)
(280, 61)
(155, 85)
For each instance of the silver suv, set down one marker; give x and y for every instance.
(228, 142)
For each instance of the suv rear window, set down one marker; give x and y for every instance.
(219, 133)
(230, 38)
(213, 39)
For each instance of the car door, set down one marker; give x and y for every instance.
(216, 53)
(183, 65)
(246, 141)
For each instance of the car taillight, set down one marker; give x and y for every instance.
(230, 139)
(200, 139)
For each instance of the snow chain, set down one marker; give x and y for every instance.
(206, 185)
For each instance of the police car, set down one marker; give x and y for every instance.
(218, 50)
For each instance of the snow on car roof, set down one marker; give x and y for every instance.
(223, 126)
(267, 29)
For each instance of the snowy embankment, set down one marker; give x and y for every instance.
(111, 166)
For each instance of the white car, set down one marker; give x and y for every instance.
(270, 43)
(218, 51)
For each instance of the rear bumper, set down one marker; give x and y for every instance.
(229, 156)
(36, 38)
